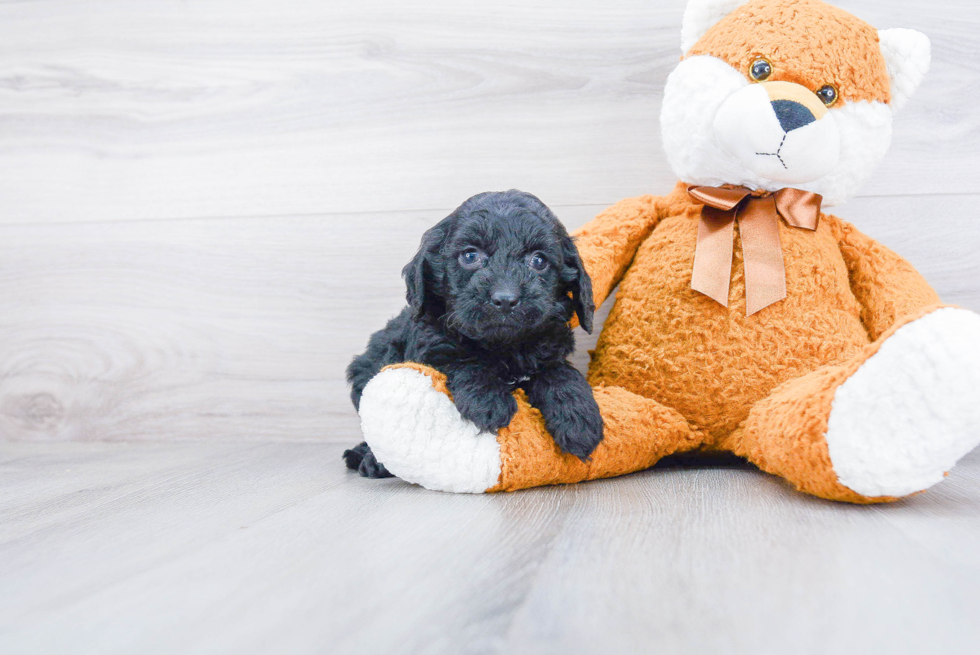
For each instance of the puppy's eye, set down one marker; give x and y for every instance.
(761, 69)
(828, 94)
(471, 258)
(537, 262)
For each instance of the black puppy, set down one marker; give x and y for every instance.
(490, 294)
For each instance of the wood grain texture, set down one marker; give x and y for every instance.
(204, 207)
(242, 328)
(256, 548)
(218, 108)
(329, 136)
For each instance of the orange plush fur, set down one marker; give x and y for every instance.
(809, 45)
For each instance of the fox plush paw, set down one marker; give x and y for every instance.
(415, 430)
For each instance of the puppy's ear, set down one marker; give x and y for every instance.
(578, 282)
(424, 272)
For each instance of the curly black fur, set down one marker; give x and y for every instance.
(490, 293)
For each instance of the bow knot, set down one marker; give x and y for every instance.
(758, 214)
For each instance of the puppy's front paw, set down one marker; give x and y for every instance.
(361, 459)
(577, 429)
(490, 411)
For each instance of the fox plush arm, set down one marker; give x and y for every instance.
(886, 285)
(608, 242)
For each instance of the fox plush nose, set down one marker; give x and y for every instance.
(795, 105)
(792, 115)
(505, 299)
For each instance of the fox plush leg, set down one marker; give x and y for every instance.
(889, 423)
(411, 424)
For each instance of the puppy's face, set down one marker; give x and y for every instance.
(498, 269)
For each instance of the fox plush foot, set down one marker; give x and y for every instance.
(912, 410)
(413, 428)
(889, 423)
(409, 420)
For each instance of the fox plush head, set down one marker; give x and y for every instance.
(786, 93)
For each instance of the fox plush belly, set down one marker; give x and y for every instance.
(665, 341)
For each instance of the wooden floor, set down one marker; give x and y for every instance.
(204, 208)
(204, 547)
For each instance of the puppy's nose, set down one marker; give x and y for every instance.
(505, 299)
(792, 115)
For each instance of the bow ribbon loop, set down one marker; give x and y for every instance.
(758, 214)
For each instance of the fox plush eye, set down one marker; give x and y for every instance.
(471, 258)
(761, 69)
(537, 262)
(828, 94)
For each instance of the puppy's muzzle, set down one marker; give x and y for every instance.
(780, 131)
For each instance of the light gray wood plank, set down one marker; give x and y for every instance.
(242, 328)
(937, 235)
(229, 329)
(224, 548)
(335, 134)
(722, 563)
(164, 109)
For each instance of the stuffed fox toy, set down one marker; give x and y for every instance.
(746, 320)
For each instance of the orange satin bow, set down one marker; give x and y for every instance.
(758, 215)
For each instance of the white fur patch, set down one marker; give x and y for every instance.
(865, 136)
(912, 410)
(419, 435)
(907, 57)
(696, 91)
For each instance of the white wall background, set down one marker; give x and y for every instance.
(204, 205)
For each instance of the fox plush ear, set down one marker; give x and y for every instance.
(907, 57)
(701, 15)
